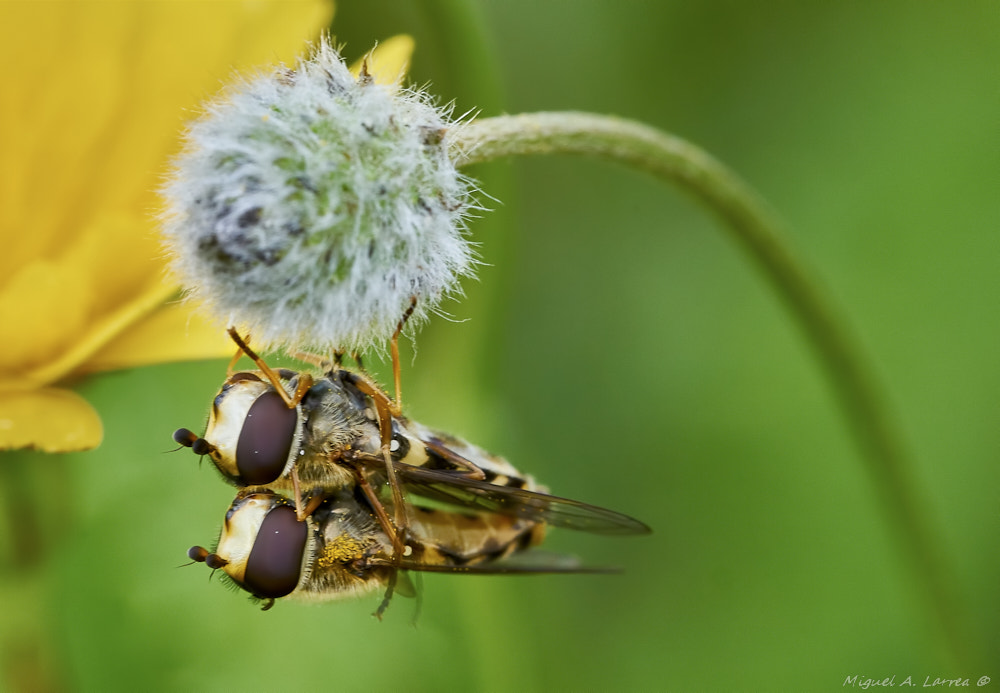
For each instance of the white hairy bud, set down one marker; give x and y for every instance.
(312, 208)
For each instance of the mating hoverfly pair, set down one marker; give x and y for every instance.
(341, 448)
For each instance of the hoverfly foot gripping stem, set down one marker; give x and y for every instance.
(305, 380)
(397, 403)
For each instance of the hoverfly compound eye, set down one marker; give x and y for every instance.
(275, 562)
(265, 439)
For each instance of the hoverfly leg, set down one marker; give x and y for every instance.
(297, 490)
(231, 368)
(395, 534)
(387, 409)
(312, 359)
(399, 583)
(301, 388)
(314, 502)
(397, 404)
(472, 470)
(303, 510)
(337, 363)
(383, 518)
(290, 401)
(383, 411)
(390, 589)
(398, 502)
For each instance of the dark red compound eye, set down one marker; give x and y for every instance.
(275, 561)
(265, 440)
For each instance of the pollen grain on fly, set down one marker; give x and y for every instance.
(343, 549)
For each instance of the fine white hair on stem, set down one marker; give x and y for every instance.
(311, 208)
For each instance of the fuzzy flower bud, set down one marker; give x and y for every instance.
(312, 208)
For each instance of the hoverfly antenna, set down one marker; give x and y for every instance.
(185, 437)
(202, 447)
(199, 554)
(190, 439)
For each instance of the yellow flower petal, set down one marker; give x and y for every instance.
(49, 419)
(389, 60)
(91, 341)
(85, 131)
(175, 332)
(60, 303)
(41, 304)
(88, 122)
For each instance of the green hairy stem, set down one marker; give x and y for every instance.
(754, 226)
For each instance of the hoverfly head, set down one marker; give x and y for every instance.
(261, 547)
(252, 434)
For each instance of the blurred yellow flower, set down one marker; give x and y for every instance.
(94, 97)
(388, 61)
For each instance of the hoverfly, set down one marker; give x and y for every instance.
(315, 436)
(267, 450)
(293, 431)
(341, 549)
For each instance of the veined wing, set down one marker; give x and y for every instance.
(533, 562)
(447, 487)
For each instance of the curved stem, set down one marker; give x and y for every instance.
(755, 227)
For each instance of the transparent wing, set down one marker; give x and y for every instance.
(447, 487)
(532, 562)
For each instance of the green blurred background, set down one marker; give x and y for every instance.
(621, 348)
